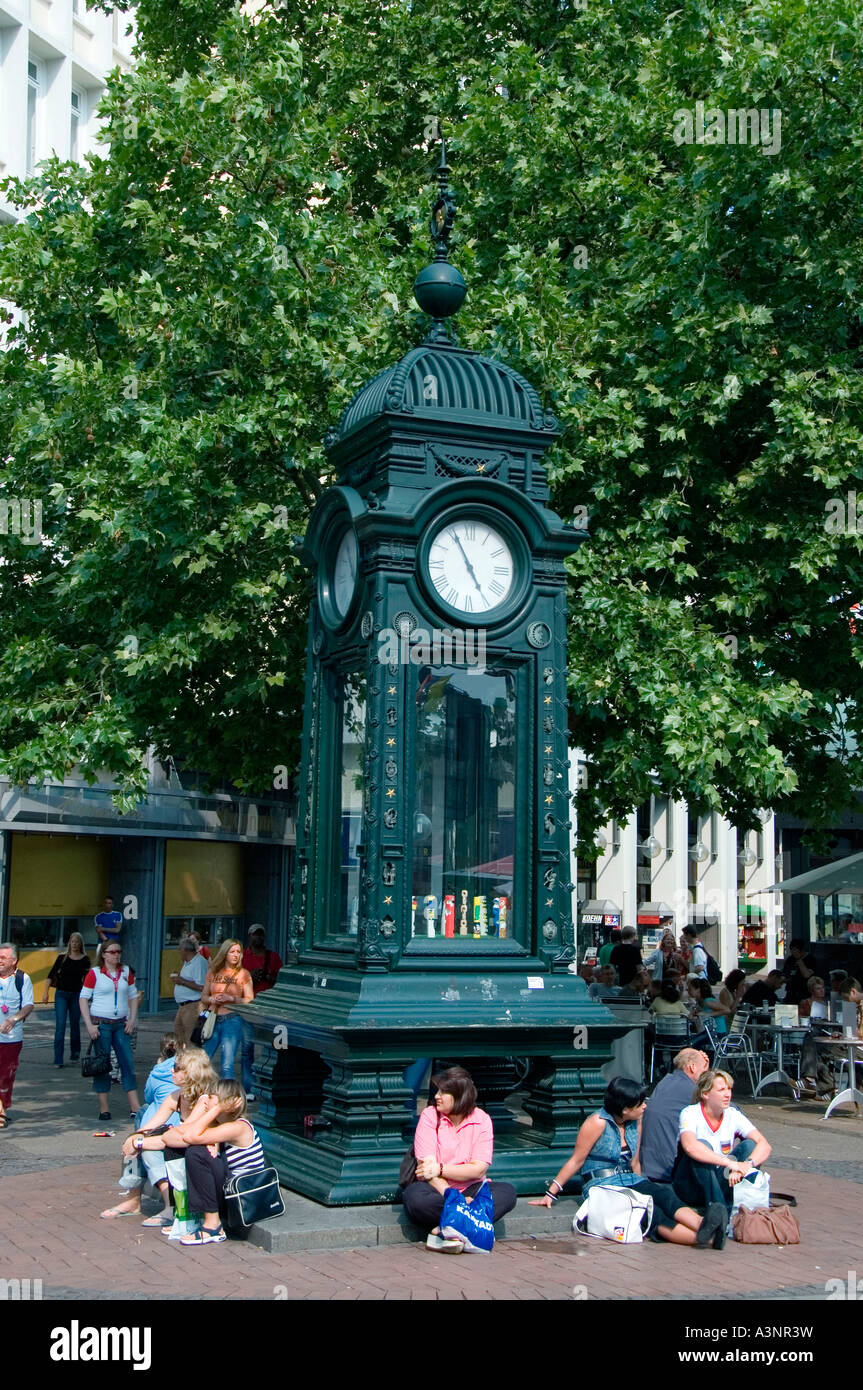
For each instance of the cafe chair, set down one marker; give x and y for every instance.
(735, 1047)
(670, 1035)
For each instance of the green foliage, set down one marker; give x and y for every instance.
(242, 257)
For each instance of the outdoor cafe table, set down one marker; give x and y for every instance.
(781, 1034)
(854, 1051)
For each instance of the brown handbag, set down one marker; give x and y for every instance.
(778, 1226)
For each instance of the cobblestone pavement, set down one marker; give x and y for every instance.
(56, 1178)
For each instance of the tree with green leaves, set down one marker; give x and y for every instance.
(201, 301)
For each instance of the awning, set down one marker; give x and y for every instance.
(599, 912)
(651, 914)
(842, 876)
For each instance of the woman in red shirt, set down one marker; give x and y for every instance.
(453, 1145)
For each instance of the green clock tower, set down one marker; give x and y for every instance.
(432, 910)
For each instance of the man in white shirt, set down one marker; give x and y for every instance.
(720, 1147)
(699, 955)
(188, 984)
(16, 1003)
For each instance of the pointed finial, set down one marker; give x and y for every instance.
(439, 289)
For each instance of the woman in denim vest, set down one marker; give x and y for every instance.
(607, 1150)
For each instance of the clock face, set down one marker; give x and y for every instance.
(345, 573)
(471, 566)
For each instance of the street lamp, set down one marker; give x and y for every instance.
(650, 847)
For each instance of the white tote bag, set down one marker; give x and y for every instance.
(614, 1213)
(752, 1192)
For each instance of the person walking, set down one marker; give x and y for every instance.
(108, 922)
(264, 967)
(188, 988)
(66, 977)
(16, 1004)
(698, 962)
(226, 983)
(626, 956)
(109, 1007)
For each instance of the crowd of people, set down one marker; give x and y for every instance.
(686, 1147)
(102, 995)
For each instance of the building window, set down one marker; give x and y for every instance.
(75, 115)
(32, 102)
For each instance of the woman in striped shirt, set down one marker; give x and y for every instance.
(220, 1143)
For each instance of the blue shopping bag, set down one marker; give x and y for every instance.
(470, 1219)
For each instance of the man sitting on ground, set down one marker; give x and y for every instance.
(660, 1127)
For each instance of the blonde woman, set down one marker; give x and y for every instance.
(220, 1121)
(227, 983)
(192, 1094)
(66, 977)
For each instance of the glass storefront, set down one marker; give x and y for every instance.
(464, 807)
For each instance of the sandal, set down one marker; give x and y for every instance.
(158, 1221)
(204, 1237)
(114, 1214)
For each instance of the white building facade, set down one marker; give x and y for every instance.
(54, 58)
(701, 868)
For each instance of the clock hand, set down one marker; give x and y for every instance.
(470, 567)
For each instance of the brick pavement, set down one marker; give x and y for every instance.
(57, 1237)
(56, 1178)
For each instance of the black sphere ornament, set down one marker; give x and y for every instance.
(439, 290)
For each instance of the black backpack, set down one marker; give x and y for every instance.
(714, 974)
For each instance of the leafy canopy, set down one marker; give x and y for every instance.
(203, 299)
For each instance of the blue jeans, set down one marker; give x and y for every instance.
(248, 1060)
(699, 1184)
(414, 1075)
(227, 1037)
(111, 1034)
(66, 1006)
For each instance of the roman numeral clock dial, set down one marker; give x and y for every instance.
(471, 566)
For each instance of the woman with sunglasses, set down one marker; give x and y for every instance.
(109, 1007)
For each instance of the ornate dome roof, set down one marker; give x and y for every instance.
(436, 377)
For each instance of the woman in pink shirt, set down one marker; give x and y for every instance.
(453, 1145)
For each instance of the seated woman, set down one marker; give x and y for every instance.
(453, 1144)
(706, 1009)
(192, 1082)
(731, 992)
(720, 1147)
(218, 1123)
(815, 1007)
(608, 1149)
(669, 1004)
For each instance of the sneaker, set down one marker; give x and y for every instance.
(445, 1244)
(106, 1115)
